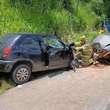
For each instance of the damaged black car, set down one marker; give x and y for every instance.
(22, 54)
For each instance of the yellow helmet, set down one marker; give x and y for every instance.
(82, 38)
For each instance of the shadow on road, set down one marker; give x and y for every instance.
(50, 74)
(6, 82)
(35, 75)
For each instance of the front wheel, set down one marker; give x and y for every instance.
(21, 74)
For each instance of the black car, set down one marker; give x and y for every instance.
(101, 46)
(21, 54)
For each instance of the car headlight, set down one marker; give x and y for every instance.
(97, 47)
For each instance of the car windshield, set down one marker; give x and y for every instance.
(8, 40)
(55, 43)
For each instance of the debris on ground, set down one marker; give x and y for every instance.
(19, 86)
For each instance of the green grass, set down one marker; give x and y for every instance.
(5, 85)
(47, 16)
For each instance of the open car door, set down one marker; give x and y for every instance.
(58, 54)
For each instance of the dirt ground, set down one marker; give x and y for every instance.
(85, 89)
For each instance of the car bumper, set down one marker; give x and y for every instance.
(6, 66)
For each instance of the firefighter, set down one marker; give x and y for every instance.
(101, 31)
(102, 28)
(84, 51)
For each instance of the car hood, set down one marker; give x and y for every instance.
(103, 40)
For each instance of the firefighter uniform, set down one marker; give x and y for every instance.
(84, 51)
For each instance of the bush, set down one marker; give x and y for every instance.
(64, 18)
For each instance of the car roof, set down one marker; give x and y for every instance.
(31, 34)
(11, 38)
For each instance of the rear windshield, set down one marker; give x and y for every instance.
(8, 40)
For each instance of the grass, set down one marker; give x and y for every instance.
(46, 16)
(5, 85)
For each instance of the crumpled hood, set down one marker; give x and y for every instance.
(103, 40)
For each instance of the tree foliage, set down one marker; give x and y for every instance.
(61, 17)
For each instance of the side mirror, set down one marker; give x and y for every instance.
(48, 47)
(72, 44)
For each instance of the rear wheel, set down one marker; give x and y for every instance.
(21, 74)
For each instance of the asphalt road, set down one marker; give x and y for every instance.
(86, 89)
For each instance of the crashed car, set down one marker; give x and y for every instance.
(101, 47)
(22, 54)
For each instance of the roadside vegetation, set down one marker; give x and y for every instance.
(5, 86)
(66, 18)
(5, 83)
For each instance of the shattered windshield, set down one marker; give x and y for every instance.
(55, 43)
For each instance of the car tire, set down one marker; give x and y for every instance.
(21, 74)
(72, 65)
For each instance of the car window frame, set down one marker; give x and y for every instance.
(36, 45)
(61, 43)
(26, 44)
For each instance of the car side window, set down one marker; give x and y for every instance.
(30, 43)
(55, 43)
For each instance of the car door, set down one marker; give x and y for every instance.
(31, 50)
(58, 54)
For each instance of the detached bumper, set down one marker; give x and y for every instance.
(6, 66)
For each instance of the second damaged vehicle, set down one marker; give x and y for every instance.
(101, 46)
(22, 54)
